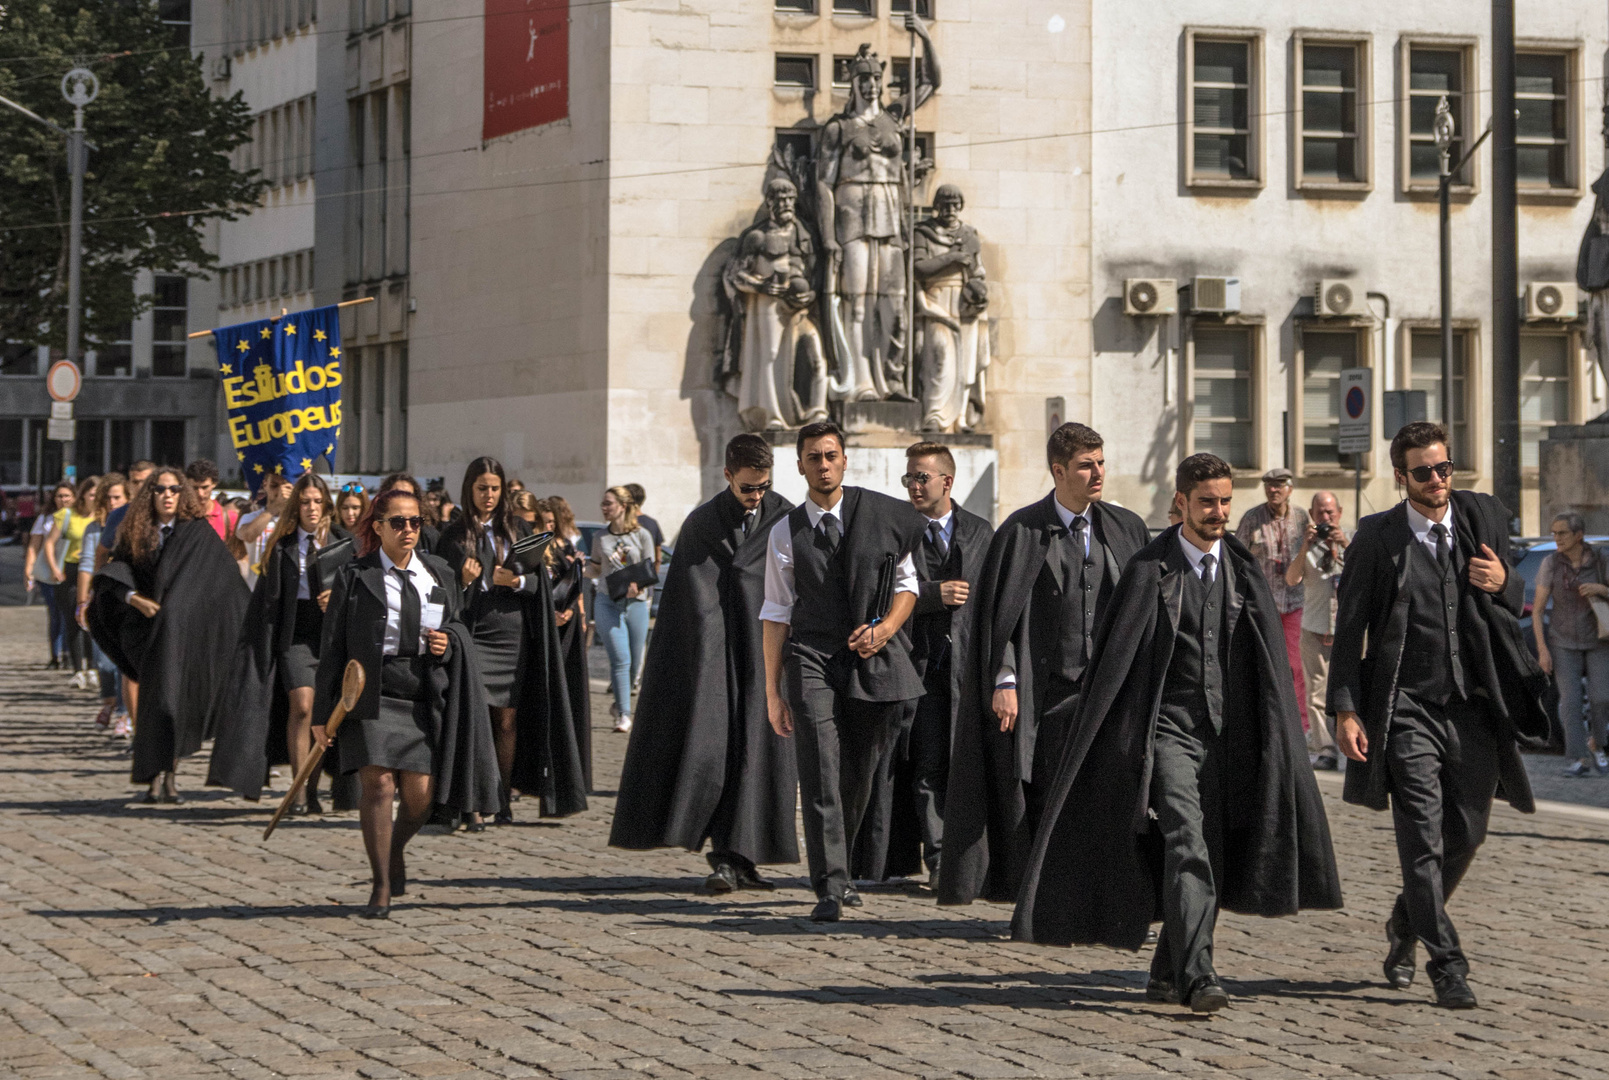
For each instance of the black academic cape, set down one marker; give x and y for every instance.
(701, 720)
(1373, 608)
(547, 760)
(465, 759)
(889, 842)
(986, 835)
(573, 650)
(183, 657)
(1095, 874)
(251, 725)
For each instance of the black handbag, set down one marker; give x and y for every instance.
(639, 574)
(527, 552)
(567, 585)
(327, 561)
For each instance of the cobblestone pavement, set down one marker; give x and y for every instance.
(173, 942)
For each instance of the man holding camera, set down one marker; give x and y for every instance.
(1273, 532)
(1317, 571)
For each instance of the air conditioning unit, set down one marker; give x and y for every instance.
(1214, 295)
(1150, 296)
(1336, 297)
(1550, 300)
(220, 68)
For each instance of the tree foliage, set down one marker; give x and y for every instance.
(161, 168)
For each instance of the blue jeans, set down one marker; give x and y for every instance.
(624, 628)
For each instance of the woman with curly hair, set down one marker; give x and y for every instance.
(566, 565)
(167, 610)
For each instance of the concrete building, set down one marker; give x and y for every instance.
(1286, 146)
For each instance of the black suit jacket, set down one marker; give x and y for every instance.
(1371, 625)
(935, 627)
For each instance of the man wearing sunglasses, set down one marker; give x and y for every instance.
(703, 762)
(1433, 691)
(1048, 576)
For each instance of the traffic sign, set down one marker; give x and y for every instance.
(64, 380)
(61, 410)
(61, 430)
(1356, 433)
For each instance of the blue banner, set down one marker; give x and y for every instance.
(282, 391)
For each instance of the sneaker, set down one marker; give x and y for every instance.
(79, 680)
(104, 717)
(1601, 760)
(1578, 769)
(123, 727)
(623, 723)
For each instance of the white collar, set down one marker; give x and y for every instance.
(1421, 525)
(415, 565)
(302, 536)
(943, 522)
(1195, 554)
(1067, 515)
(816, 513)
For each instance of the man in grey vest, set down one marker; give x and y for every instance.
(839, 584)
(1435, 712)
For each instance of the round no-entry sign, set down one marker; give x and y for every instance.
(64, 380)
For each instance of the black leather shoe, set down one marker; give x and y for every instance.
(827, 909)
(748, 878)
(1162, 991)
(504, 817)
(314, 807)
(722, 879)
(852, 896)
(1207, 995)
(1452, 991)
(1399, 965)
(375, 911)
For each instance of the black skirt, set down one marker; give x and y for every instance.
(298, 664)
(499, 635)
(400, 736)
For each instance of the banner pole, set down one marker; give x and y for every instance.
(283, 313)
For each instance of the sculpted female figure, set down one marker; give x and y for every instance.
(860, 202)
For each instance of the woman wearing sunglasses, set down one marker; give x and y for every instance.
(167, 610)
(419, 731)
(509, 613)
(270, 718)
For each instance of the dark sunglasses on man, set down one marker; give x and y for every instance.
(168, 489)
(1422, 473)
(399, 523)
(912, 479)
(754, 489)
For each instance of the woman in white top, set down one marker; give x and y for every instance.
(621, 614)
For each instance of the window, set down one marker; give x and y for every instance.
(18, 359)
(167, 442)
(1426, 376)
(899, 75)
(175, 15)
(806, 6)
(170, 320)
(121, 444)
(115, 356)
(1324, 355)
(1434, 72)
(797, 72)
(89, 451)
(11, 443)
(1544, 390)
(1333, 113)
(924, 8)
(1542, 121)
(854, 7)
(1221, 387)
(1222, 143)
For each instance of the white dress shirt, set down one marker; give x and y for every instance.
(779, 594)
(1421, 527)
(430, 615)
(946, 527)
(1006, 677)
(304, 555)
(1195, 555)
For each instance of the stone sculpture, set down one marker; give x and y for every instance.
(952, 299)
(1592, 275)
(768, 282)
(860, 214)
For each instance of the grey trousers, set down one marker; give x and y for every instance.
(1570, 666)
(1187, 795)
(1443, 765)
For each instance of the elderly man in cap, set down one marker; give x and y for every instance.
(1273, 532)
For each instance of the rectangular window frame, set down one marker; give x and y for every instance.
(1575, 120)
(1363, 48)
(796, 7)
(1368, 345)
(1467, 117)
(1576, 376)
(1255, 141)
(1470, 464)
(1257, 330)
(164, 347)
(814, 82)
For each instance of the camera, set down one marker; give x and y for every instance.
(1323, 531)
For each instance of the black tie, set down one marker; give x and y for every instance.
(1206, 568)
(1443, 552)
(409, 643)
(486, 552)
(934, 549)
(167, 531)
(748, 521)
(829, 529)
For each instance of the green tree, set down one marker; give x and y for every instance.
(161, 168)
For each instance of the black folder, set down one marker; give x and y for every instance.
(640, 574)
(526, 556)
(883, 598)
(327, 561)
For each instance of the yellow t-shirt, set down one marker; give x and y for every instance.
(72, 526)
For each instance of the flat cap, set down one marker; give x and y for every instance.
(1278, 476)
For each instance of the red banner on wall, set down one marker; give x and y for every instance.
(527, 65)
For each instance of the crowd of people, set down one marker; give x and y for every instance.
(1107, 728)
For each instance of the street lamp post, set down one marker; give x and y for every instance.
(1445, 130)
(79, 86)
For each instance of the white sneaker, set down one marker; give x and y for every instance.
(623, 724)
(79, 680)
(1601, 759)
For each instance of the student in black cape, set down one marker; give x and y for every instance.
(1049, 576)
(703, 762)
(1184, 787)
(567, 570)
(839, 585)
(510, 617)
(269, 718)
(420, 732)
(905, 821)
(167, 610)
(1435, 715)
